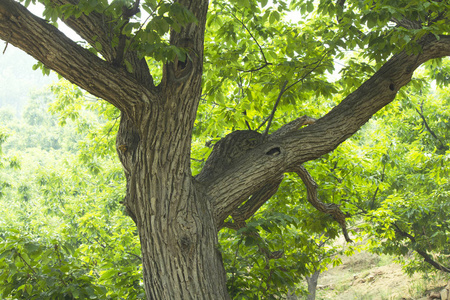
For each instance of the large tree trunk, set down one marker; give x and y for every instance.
(180, 258)
(178, 240)
(173, 216)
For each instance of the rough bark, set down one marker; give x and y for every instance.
(175, 223)
(178, 216)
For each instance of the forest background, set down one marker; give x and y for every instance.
(64, 232)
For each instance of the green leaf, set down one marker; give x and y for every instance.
(128, 66)
(108, 274)
(98, 46)
(274, 17)
(310, 6)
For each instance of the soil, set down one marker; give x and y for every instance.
(366, 276)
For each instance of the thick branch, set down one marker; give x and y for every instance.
(252, 205)
(50, 46)
(229, 151)
(98, 28)
(95, 25)
(257, 167)
(408, 24)
(190, 37)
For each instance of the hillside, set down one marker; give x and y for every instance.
(17, 78)
(366, 276)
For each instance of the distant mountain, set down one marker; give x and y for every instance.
(17, 78)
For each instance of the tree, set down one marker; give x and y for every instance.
(408, 215)
(177, 215)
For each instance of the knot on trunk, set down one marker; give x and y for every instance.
(227, 151)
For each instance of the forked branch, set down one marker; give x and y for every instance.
(56, 51)
(97, 28)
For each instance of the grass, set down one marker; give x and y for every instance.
(418, 288)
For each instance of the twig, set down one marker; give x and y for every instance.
(135, 255)
(262, 124)
(266, 63)
(7, 42)
(248, 125)
(283, 89)
(109, 131)
(141, 26)
(372, 203)
(198, 160)
(427, 258)
(256, 69)
(309, 72)
(23, 260)
(425, 123)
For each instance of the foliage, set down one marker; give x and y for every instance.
(409, 216)
(256, 55)
(63, 233)
(6, 162)
(34, 269)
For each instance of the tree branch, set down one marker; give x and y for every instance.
(56, 51)
(229, 150)
(98, 28)
(292, 127)
(374, 197)
(252, 205)
(408, 24)
(425, 123)
(317, 64)
(426, 257)
(258, 166)
(127, 14)
(266, 132)
(328, 208)
(266, 63)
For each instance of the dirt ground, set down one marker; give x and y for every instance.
(366, 276)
